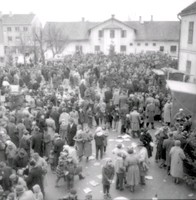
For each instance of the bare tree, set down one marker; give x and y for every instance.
(39, 40)
(55, 39)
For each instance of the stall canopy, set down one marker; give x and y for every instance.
(158, 72)
(184, 96)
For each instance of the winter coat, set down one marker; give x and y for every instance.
(135, 121)
(150, 112)
(177, 157)
(107, 174)
(167, 145)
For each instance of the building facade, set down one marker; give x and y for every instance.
(18, 36)
(187, 50)
(122, 37)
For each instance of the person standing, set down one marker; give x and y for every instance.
(167, 145)
(37, 141)
(99, 142)
(35, 176)
(143, 162)
(177, 157)
(107, 176)
(133, 173)
(150, 113)
(167, 113)
(71, 132)
(135, 122)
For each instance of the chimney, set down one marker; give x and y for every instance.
(10, 14)
(151, 18)
(140, 20)
(83, 19)
(113, 16)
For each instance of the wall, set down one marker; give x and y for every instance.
(187, 51)
(106, 41)
(70, 48)
(150, 47)
(1, 45)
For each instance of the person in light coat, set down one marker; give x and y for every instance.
(167, 112)
(177, 157)
(135, 122)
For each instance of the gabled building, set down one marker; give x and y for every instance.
(123, 37)
(187, 50)
(18, 32)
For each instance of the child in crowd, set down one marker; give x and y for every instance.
(37, 192)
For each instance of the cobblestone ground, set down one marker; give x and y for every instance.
(161, 184)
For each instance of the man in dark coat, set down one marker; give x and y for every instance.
(5, 173)
(37, 141)
(58, 147)
(71, 132)
(108, 95)
(35, 176)
(21, 160)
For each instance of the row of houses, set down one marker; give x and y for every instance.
(175, 38)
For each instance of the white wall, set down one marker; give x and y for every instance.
(70, 48)
(187, 51)
(106, 41)
(150, 47)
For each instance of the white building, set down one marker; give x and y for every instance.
(18, 33)
(124, 37)
(187, 54)
(1, 44)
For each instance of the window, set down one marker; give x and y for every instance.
(78, 48)
(161, 48)
(1, 59)
(123, 48)
(17, 38)
(131, 44)
(173, 49)
(154, 44)
(100, 34)
(97, 48)
(9, 38)
(190, 33)
(25, 29)
(188, 67)
(146, 44)
(138, 44)
(123, 33)
(112, 34)
(17, 29)
(9, 29)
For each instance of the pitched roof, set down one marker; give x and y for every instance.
(191, 9)
(147, 31)
(157, 30)
(17, 19)
(72, 30)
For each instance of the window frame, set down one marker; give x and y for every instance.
(9, 29)
(112, 33)
(123, 33)
(173, 51)
(190, 32)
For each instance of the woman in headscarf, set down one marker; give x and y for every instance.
(108, 172)
(177, 157)
(133, 173)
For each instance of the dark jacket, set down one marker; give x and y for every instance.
(35, 176)
(37, 142)
(107, 174)
(71, 132)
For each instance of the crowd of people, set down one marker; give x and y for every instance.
(50, 121)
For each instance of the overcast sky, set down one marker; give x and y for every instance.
(97, 10)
